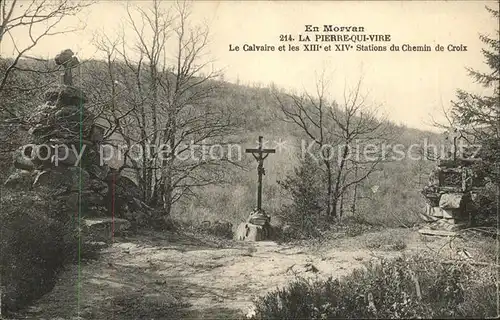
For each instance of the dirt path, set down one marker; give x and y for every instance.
(173, 277)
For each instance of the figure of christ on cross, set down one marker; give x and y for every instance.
(260, 154)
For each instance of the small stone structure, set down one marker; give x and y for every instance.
(256, 228)
(452, 194)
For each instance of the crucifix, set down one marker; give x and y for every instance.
(260, 154)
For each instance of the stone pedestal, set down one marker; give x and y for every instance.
(256, 228)
(251, 232)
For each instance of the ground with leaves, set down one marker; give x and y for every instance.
(172, 276)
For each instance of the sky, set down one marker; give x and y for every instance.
(411, 88)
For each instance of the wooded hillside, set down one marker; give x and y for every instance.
(389, 196)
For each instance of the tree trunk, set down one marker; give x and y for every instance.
(336, 191)
(498, 202)
(168, 165)
(329, 187)
(145, 177)
(329, 183)
(333, 211)
(341, 208)
(157, 194)
(355, 192)
(167, 197)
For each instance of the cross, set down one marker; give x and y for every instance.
(260, 154)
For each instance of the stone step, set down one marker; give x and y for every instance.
(440, 233)
(102, 229)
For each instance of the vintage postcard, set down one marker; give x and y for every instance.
(249, 159)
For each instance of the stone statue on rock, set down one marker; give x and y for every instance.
(60, 154)
(61, 161)
(67, 59)
(67, 94)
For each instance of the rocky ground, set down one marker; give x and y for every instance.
(178, 276)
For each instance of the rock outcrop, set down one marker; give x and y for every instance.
(61, 162)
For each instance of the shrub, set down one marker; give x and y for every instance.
(304, 216)
(486, 216)
(36, 240)
(217, 229)
(350, 226)
(391, 240)
(414, 287)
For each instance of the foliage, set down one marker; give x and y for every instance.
(394, 204)
(218, 229)
(390, 240)
(476, 110)
(37, 239)
(24, 18)
(480, 114)
(407, 287)
(305, 189)
(163, 103)
(336, 129)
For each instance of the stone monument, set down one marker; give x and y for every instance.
(61, 162)
(452, 193)
(258, 225)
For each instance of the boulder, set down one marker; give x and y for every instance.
(451, 201)
(58, 129)
(125, 188)
(69, 113)
(65, 95)
(449, 225)
(449, 213)
(63, 155)
(89, 199)
(97, 133)
(259, 219)
(98, 186)
(22, 159)
(71, 178)
(99, 172)
(20, 180)
(256, 228)
(42, 156)
(436, 212)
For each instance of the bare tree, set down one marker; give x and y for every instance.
(332, 125)
(167, 102)
(25, 23)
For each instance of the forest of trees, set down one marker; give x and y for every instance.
(163, 100)
(153, 98)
